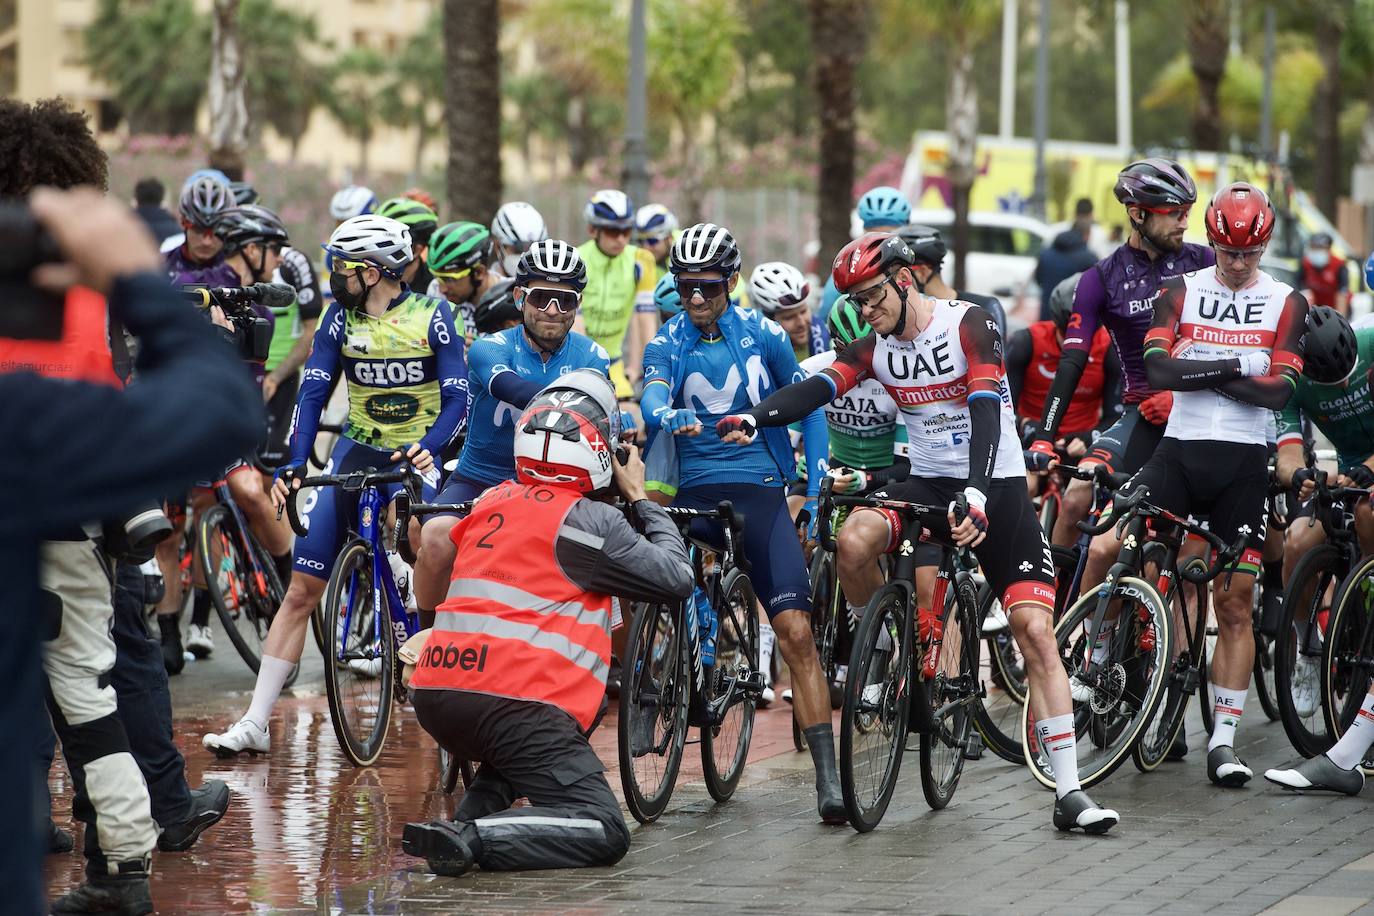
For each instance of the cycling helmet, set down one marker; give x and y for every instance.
(705, 246)
(496, 308)
(205, 173)
(774, 286)
(567, 435)
(883, 206)
(204, 200)
(1330, 349)
(553, 260)
(609, 209)
(1240, 216)
(423, 197)
(666, 297)
(240, 226)
(459, 246)
(244, 193)
(926, 244)
(870, 255)
(384, 243)
(845, 323)
(354, 200)
(1061, 301)
(419, 218)
(1369, 272)
(1155, 183)
(518, 225)
(654, 221)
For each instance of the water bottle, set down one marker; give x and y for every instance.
(706, 623)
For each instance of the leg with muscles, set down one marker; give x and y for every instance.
(866, 535)
(1232, 665)
(434, 566)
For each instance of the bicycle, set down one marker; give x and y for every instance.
(1347, 668)
(681, 671)
(891, 655)
(829, 613)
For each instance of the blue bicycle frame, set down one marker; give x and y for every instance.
(403, 623)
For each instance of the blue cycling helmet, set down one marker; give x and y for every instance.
(609, 209)
(1369, 272)
(884, 206)
(666, 297)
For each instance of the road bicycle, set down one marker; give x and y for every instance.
(1347, 667)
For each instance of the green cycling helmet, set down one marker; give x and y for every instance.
(845, 323)
(420, 219)
(459, 246)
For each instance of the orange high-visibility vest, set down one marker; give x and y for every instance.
(82, 354)
(513, 625)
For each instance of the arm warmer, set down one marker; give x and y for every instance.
(793, 402)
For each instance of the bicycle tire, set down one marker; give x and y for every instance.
(652, 626)
(453, 770)
(1318, 569)
(317, 627)
(362, 744)
(1347, 669)
(1152, 748)
(1264, 660)
(1127, 703)
(955, 682)
(876, 715)
(737, 653)
(824, 582)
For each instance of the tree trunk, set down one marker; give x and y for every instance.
(1326, 113)
(579, 150)
(228, 110)
(472, 107)
(693, 190)
(421, 142)
(961, 126)
(1208, 41)
(364, 141)
(838, 33)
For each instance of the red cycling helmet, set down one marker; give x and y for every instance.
(871, 255)
(1240, 216)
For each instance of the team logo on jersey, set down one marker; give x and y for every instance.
(391, 409)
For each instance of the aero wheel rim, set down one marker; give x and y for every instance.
(358, 658)
(875, 695)
(947, 688)
(656, 700)
(729, 733)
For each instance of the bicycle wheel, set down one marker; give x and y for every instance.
(358, 669)
(317, 627)
(1122, 694)
(725, 743)
(452, 770)
(877, 702)
(1187, 672)
(1348, 659)
(952, 698)
(1298, 645)
(1264, 660)
(825, 605)
(655, 681)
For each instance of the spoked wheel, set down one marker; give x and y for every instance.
(951, 700)
(244, 600)
(827, 606)
(1120, 695)
(734, 683)
(1187, 675)
(1264, 675)
(1298, 647)
(1348, 660)
(654, 693)
(359, 664)
(877, 702)
(452, 770)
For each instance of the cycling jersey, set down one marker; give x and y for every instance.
(1032, 360)
(615, 288)
(865, 430)
(488, 455)
(185, 272)
(297, 272)
(1344, 412)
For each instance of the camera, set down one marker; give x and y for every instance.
(26, 313)
(134, 536)
(252, 333)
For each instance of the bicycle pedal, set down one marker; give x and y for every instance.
(973, 747)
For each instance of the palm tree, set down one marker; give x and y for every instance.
(228, 111)
(354, 99)
(284, 82)
(838, 37)
(417, 80)
(1208, 42)
(1330, 21)
(131, 46)
(472, 107)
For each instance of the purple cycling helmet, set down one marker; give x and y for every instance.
(1155, 184)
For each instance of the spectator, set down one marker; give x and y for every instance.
(1324, 280)
(149, 194)
(1067, 255)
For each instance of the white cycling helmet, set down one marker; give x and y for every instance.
(568, 434)
(774, 286)
(654, 221)
(609, 209)
(354, 200)
(379, 240)
(517, 226)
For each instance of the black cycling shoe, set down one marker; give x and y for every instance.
(59, 840)
(449, 848)
(208, 804)
(820, 740)
(1317, 774)
(613, 679)
(1225, 769)
(173, 655)
(1077, 810)
(1179, 749)
(123, 895)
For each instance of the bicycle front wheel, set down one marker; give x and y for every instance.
(1348, 661)
(359, 666)
(1298, 647)
(1119, 697)
(730, 688)
(654, 693)
(952, 698)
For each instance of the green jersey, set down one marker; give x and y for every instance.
(866, 431)
(1343, 412)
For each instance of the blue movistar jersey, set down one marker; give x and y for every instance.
(489, 453)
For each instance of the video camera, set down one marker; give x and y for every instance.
(252, 333)
(27, 313)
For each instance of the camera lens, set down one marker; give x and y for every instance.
(147, 528)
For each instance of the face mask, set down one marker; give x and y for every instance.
(338, 285)
(1319, 258)
(508, 264)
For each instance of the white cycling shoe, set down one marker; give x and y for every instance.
(996, 620)
(199, 641)
(1306, 679)
(366, 667)
(245, 735)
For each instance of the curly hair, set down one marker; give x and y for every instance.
(47, 143)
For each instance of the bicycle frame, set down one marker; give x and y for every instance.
(224, 497)
(403, 623)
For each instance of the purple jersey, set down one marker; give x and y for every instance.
(1118, 293)
(184, 271)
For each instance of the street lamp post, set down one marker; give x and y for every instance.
(636, 173)
(1042, 109)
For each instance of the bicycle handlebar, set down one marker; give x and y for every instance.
(1120, 512)
(351, 483)
(1198, 570)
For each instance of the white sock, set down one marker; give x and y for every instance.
(1104, 641)
(1350, 750)
(1058, 741)
(1226, 716)
(272, 674)
(766, 642)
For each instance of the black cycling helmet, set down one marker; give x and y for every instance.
(240, 226)
(496, 308)
(204, 200)
(244, 193)
(926, 244)
(703, 247)
(1329, 349)
(1155, 183)
(1061, 301)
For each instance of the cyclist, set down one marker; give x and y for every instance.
(351, 201)
(402, 360)
(459, 255)
(666, 299)
(708, 362)
(506, 370)
(1118, 294)
(941, 361)
(619, 297)
(1227, 341)
(655, 230)
(1033, 355)
(422, 222)
(881, 209)
(497, 310)
(200, 258)
(422, 196)
(516, 227)
(1333, 393)
(781, 292)
(929, 249)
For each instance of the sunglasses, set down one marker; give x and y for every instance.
(706, 289)
(651, 239)
(451, 275)
(541, 298)
(202, 231)
(339, 264)
(618, 233)
(867, 298)
(1248, 255)
(1167, 211)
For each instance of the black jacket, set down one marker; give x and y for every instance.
(1067, 255)
(160, 223)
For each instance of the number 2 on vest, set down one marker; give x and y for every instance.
(498, 519)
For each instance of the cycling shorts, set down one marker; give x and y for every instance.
(327, 512)
(1228, 482)
(777, 568)
(1128, 443)
(279, 409)
(458, 490)
(236, 467)
(1015, 556)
